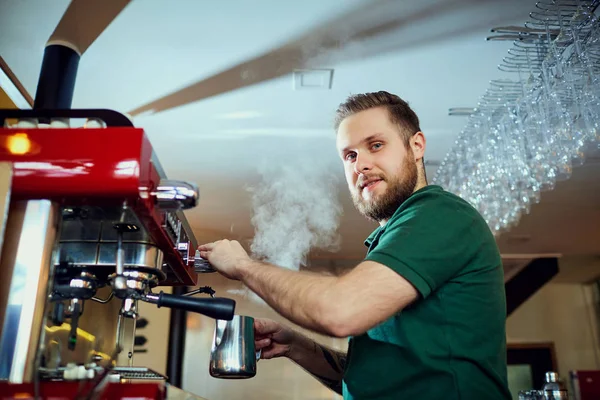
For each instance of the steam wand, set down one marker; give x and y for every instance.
(214, 307)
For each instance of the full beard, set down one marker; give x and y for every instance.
(383, 206)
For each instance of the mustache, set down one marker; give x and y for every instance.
(364, 179)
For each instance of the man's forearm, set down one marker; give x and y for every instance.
(301, 297)
(324, 364)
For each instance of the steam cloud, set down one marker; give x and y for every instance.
(296, 209)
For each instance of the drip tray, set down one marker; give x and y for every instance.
(138, 373)
(133, 373)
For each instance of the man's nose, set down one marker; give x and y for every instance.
(363, 164)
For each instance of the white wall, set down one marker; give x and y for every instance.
(565, 314)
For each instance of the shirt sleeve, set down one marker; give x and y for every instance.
(428, 247)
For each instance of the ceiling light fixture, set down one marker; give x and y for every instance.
(313, 79)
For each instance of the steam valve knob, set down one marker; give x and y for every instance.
(174, 195)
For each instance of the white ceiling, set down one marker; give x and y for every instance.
(432, 53)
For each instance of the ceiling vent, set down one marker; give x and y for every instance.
(310, 79)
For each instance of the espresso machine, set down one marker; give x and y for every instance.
(91, 226)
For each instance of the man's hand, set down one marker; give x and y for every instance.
(274, 339)
(226, 256)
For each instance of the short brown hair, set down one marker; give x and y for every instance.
(399, 111)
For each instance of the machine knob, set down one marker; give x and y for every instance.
(176, 195)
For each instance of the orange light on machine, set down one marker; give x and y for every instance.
(18, 143)
(23, 395)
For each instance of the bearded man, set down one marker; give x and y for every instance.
(424, 311)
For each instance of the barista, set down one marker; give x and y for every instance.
(425, 311)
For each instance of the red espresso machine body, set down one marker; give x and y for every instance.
(91, 225)
(109, 167)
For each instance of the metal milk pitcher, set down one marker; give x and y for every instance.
(233, 355)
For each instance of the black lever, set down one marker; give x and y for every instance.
(216, 307)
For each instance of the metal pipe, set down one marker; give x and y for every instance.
(120, 264)
(151, 298)
(176, 342)
(56, 83)
(120, 282)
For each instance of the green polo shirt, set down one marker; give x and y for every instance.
(450, 343)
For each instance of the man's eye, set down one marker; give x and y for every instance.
(376, 146)
(350, 156)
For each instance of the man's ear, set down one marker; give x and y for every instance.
(418, 144)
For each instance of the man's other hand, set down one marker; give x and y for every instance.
(226, 256)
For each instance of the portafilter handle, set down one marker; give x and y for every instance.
(215, 307)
